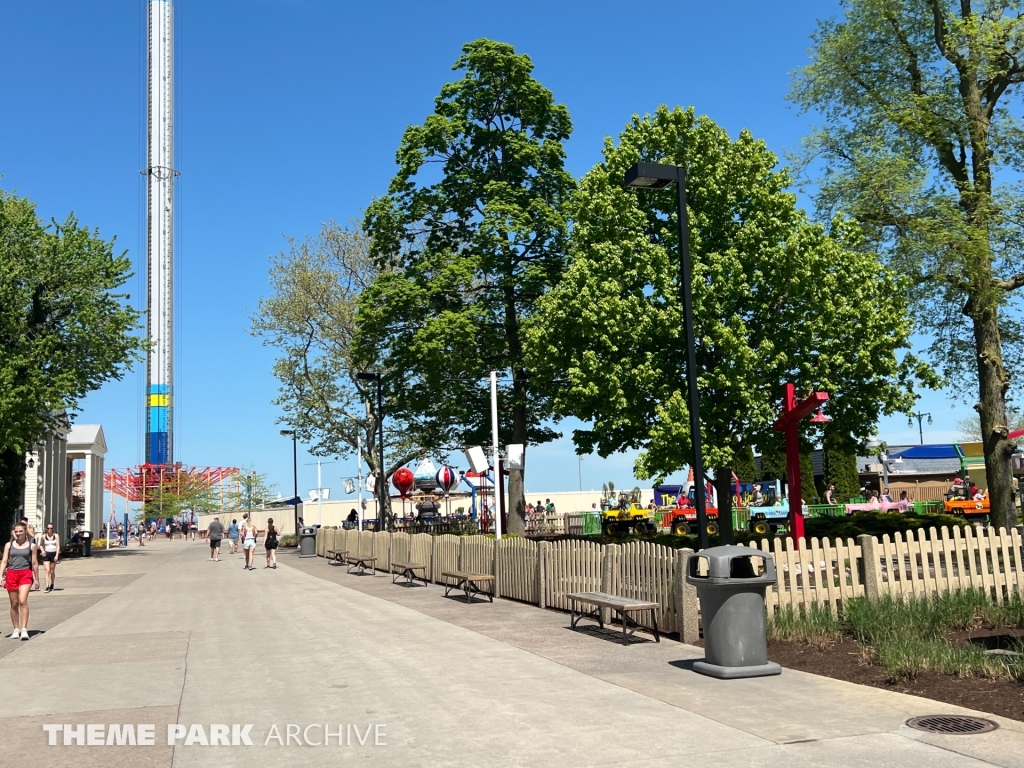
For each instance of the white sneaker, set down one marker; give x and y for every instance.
(211, 559)
(24, 634)
(15, 634)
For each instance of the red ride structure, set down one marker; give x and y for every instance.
(789, 422)
(151, 483)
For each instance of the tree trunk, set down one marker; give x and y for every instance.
(723, 489)
(12, 487)
(993, 383)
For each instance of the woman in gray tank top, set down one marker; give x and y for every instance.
(19, 570)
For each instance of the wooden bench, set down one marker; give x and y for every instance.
(363, 562)
(467, 582)
(623, 607)
(336, 556)
(409, 572)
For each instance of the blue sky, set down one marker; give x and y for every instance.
(289, 113)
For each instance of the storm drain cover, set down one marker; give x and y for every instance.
(955, 724)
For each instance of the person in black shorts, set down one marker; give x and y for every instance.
(270, 543)
(215, 533)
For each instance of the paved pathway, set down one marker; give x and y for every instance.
(162, 636)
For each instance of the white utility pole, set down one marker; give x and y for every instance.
(359, 478)
(319, 494)
(497, 466)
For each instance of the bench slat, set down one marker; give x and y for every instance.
(619, 603)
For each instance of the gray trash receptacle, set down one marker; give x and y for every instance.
(307, 541)
(731, 593)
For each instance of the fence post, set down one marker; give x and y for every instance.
(497, 577)
(391, 545)
(608, 563)
(433, 557)
(542, 573)
(462, 553)
(685, 594)
(871, 576)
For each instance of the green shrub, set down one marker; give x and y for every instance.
(290, 540)
(876, 524)
(907, 657)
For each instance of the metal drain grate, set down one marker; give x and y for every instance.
(955, 724)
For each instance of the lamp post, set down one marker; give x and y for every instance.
(295, 474)
(656, 176)
(920, 429)
(382, 480)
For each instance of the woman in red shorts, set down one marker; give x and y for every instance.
(19, 570)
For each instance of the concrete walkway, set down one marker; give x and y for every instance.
(164, 636)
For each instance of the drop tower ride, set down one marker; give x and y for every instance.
(160, 176)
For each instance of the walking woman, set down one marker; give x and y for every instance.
(249, 535)
(20, 571)
(51, 556)
(270, 543)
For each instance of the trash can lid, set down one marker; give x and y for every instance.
(731, 564)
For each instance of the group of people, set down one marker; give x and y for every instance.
(966, 489)
(248, 533)
(19, 570)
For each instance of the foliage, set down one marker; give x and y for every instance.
(922, 146)
(65, 328)
(876, 524)
(310, 319)
(910, 636)
(744, 464)
(839, 459)
(816, 625)
(471, 233)
(808, 490)
(249, 490)
(776, 299)
(970, 427)
(181, 495)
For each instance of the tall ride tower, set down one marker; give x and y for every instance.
(160, 176)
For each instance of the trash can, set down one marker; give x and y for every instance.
(731, 594)
(86, 543)
(307, 541)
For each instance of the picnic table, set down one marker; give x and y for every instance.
(409, 572)
(337, 556)
(363, 562)
(623, 607)
(467, 582)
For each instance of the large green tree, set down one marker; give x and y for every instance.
(922, 145)
(776, 299)
(65, 329)
(474, 232)
(310, 320)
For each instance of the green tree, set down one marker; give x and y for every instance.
(474, 228)
(65, 329)
(181, 495)
(776, 299)
(839, 458)
(808, 490)
(744, 465)
(249, 490)
(922, 146)
(310, 320)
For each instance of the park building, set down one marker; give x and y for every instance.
(64, 479)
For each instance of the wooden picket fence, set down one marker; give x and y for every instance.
(820, 572)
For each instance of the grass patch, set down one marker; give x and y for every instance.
(908, 637)
(817, 625)
(905, 658)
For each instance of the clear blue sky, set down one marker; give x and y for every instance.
(290, 111)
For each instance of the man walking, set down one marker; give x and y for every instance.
(233, 535)
(215, 532)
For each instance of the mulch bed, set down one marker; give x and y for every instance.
(844, 660)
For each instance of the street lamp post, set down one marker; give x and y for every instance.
(382, 480)
(295, 474)
(657, 176)
(920, 429)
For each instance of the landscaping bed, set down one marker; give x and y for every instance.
(939, 647)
